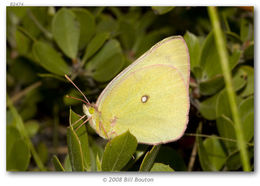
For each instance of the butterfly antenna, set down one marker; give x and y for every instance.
(67, 77)
(67, 96)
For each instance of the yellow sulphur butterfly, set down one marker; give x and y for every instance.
(150, 98)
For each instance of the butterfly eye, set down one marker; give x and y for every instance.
(91, 110)
(144, 98)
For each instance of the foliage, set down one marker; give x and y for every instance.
(92, 45)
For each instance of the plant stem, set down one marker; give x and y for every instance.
(38, 24)
(19, 95)
(21, 29)
(221, 49)
(192, 156)
(217, 137)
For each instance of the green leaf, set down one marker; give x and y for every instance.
(23, 72)
(146, 40)
(19, 156)
(223, 106)
(18, 123)
(107, 62)
(32, 127)
(73, 93)
(246, 30)
(169, 156)
(149, 158)
(128, 33)
(234, 59)
(205, 162)
(23, 43)
(50, 59)
(67, 165)
(226, 129)
(96, 150)
(43, 152)
(160, 167)
(209, 60)
(75, 151)
(140, 151)
(107, 24)
(249, 52)
(246, 110)
(197, 72)
(35, 13)
(145, 21)
(83, 138)
(98, 163)
(118, 152)
(249, 88)
(87, 25)
(194, 49)
(17, 152)
(248, 126)
(215, 152)
(233, 162)
(239, 79)
(233, 36)
(212, 85)
(66, 32)
(12, 135)
(162, 9)
(207, 107)
(57, 164)
(95, 44)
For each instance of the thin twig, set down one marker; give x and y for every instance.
(192, 157)
(19, 95)
(194, 150)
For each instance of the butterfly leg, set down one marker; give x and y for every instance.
(101, 125)
(81, 117)
(83, 123)
(113, 132)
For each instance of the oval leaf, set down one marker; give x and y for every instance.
(194, 48)
(215, 152)
(246, 109)
(239, 79)
(205, 162)
(162, 9)
(95, 44)
(66, 32)
(83, 138)
(50, 59)
(209, 59)
(87, 26)
(118, 152)
(249, 88)
(149, 158)
(207, 107)
(212, 85)
(19, 156)
(75, 151)
(160, 167)
(107, 62)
